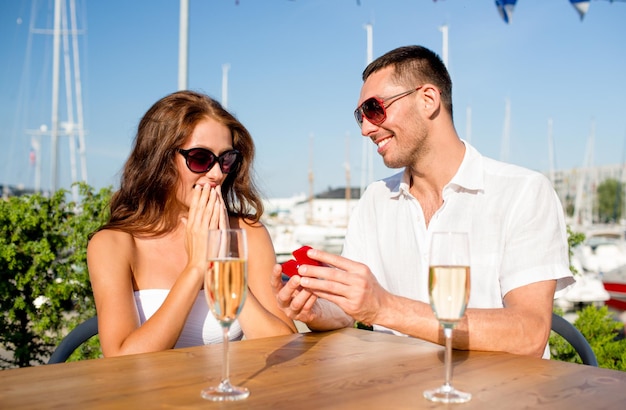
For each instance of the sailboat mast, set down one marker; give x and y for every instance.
(551, 150)
(583, 201)
(311, 179)
(79, 93)
(593, 180)
(348, 188)
(56, 50)
(225, 68)
(444, 47)
(504, 150)
(69, 126)
(367, 171)
(183, 45)
(468, 124)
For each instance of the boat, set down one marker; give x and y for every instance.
(603, 256)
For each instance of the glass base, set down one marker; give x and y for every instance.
(225, 393)
(447, 394)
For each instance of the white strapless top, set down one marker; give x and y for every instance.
(201, 327)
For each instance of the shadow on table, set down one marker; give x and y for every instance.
(370, 337)
(285, 353)
(457, 355)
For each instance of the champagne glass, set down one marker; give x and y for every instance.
(448, 287)
(225, 288)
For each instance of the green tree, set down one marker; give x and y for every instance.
(610, 200)
(44, 283)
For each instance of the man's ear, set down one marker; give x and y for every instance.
(430, 99)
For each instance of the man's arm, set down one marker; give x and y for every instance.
(521, 327)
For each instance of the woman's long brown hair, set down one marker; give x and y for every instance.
(146, 202)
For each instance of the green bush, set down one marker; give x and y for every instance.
(602, 332)
(44, 283)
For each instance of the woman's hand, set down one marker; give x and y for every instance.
(223, 213)
(207, 210)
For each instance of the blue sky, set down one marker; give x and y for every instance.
(294, 79)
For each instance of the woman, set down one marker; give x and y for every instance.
(189, 171)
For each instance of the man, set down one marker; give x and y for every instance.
(518, 239)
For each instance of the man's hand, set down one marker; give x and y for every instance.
(349, 285)
(332, 295)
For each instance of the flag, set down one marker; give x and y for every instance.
(505, 8)
(581, 6)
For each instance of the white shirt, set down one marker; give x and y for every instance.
(513, 217)
(201, 327)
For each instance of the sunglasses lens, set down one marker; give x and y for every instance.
(373, 111)
(228, 161)
(200, 160)
(358, 116)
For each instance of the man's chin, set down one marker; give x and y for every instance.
(392, 164)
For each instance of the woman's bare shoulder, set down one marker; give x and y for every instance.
(252, 228)
(111, 242)
(111, 237)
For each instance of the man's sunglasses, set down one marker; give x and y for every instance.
(201, 160)
(375, 110)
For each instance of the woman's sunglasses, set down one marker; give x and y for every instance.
(375, 110)
(201, 160)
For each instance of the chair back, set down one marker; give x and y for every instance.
(573, 336)
(79, 335)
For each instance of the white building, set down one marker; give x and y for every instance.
(319, 222)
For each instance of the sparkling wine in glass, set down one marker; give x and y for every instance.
(225, 288)
(449, 288)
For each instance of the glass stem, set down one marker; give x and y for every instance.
(225, 361)
(447, 332)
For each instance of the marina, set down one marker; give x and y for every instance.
(317, 218)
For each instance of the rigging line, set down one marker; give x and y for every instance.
(79, 94)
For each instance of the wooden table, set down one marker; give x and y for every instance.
(344, 369)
